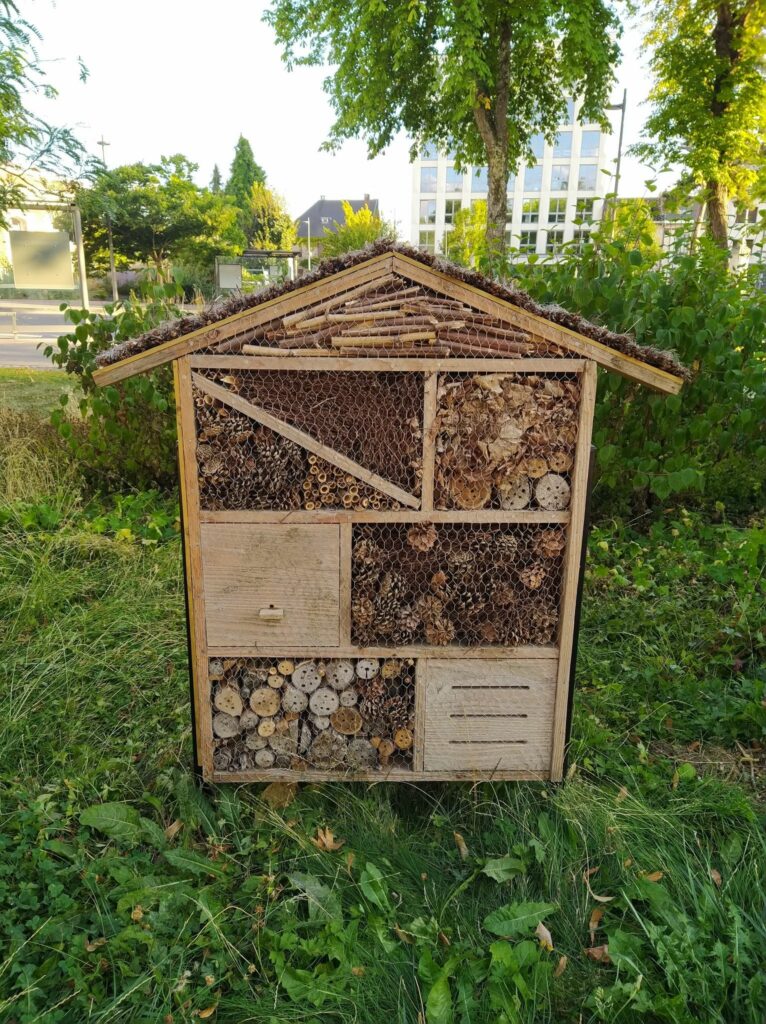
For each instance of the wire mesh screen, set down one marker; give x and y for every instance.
(245, 465)
(384, 317)
(505, 440)
(352, 714)
(455, 583)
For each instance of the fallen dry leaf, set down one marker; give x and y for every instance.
(598, 953)
(627, 862)
(350, 858)
(358, 972)
(209, 980)
(173, 829)
(403, 936)
(591, 893)
(136, 913)
(694, 745)
(207, 1012)
(461, 847)
(595, 920)
(325, 840)
(544, 937)
(561, 966)
(622, 794)
(443, 939)
(96, 944)
(590, 872)
(715, 874)
(653, 876)
(280, 794)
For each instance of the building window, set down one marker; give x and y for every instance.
(557, 211)
(749, 216)
(427, 179)
(479, 179)
(509, 209)
(528, 241)
(562, 147)
(554, 242)
(511, 186)
(430, 152)
(325, 220)
(570, 112)
(536, 144)
(508, 237)
(533, 179)
(530, 211)
(454, 180)
(586, 181)
(585, 209)
(560, 177)
(451, 207)
(427, 211)
(590, 143)
(581, 238)
(427, 241)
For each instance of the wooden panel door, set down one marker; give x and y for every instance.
(267, 584)
(490, 716)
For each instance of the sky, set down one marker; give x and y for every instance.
(169, 76)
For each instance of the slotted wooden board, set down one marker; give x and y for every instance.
(489, 715)
(251, 572)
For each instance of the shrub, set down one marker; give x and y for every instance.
(707, 443)
(127, 432)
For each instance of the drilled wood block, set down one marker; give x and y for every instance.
(267, 584)
(489, 715)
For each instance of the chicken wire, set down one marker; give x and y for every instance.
(389, 317)
(505, 440)
(344, 715)
(455, 583)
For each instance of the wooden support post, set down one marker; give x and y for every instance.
(429, 441)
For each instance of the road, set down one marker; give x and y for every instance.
(24, 324)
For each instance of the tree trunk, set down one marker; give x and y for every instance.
(497, 202)
(717, 213)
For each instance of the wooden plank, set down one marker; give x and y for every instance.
(306, 441)
(571, 567)
(378, 267)
(611, 359)
(453, 365)
(492, 515)
(346, 540)
(392, 775)
(189, 492)
(429, 441)
(412, 651)
(421, 683)
(487, 715)
(254, 572)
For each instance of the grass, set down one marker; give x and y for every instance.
(127, 894)
(33, 391)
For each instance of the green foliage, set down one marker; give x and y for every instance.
(706, 443)
(358, 228)
(709, 96)
(215, 181)
(157, 214)
(632, 224)
(123, 434)
(26, 139)
(244, 173)
(476, 79)
(466, 243)
(270, 226)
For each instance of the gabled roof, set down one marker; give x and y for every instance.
(325, 212)
(549, 325)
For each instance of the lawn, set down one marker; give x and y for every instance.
(633, 892)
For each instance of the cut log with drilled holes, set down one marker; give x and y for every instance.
(324, 701)
(264, 701)
(225, 725)
(552, 492)
(228, 699)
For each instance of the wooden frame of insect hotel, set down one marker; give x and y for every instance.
(383, 476)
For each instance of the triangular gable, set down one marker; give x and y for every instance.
(376, 272)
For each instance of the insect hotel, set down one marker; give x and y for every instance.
(384, 470)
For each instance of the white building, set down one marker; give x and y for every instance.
(567, 182)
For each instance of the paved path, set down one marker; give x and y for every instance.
(25, 324)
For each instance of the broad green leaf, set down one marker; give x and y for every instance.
(373, 886)
(120, 822)
(503, 869)
(321, 899)
(516, 918)
(439, 1003)
(194, 863)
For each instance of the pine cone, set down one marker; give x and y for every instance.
(422, 536)
(439, 632)
(397, 711)
(533, 576)
(549, 543)
(362, 612)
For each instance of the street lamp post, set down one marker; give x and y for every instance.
(621, 107)
(307, 222)
(112, 267)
